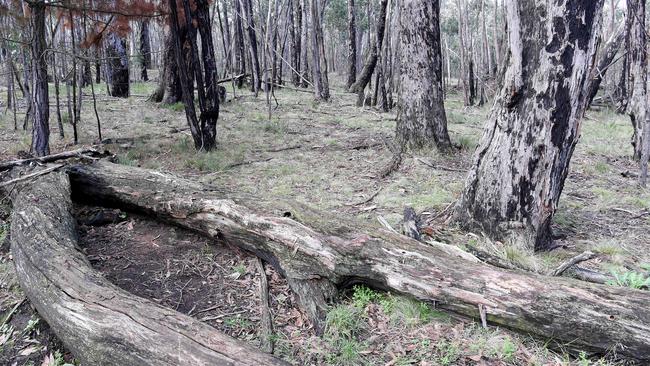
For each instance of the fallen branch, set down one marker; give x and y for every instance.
(319, 253)
(100, 323)
(585, 256)
(31, 175)
(54, 157)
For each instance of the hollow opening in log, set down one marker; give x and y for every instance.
(184, 271)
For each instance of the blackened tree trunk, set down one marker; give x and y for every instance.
(203, 128)
(636, 52)
(604, 62)
(118, 60)
(352, 45)
(422, 119)
(40, 98)
(321, 83)
(145, 49)
(256, 82)
(208, 99)
(519, 168)
(240, 48)
(371, 61)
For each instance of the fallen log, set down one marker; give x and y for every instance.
(319, 253)
(100, 323)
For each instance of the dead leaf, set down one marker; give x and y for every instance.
(28, 351)
(48, 360)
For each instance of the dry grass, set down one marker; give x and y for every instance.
(337, 151)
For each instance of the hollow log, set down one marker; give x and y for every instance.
(322, 253)
(100, 323)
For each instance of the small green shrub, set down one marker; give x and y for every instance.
(630, 279)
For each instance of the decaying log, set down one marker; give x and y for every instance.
(319, 253)
(100, 323)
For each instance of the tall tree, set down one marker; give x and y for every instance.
(636, 53)
(203, 127)
(145, 49)
(422, 119)
(519, 168)
(118, 64)
(352, 45)
(40, 98)
(319, 64)
(373, 56)
(240, 47)
(256, 82)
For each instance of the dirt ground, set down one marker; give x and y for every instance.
(328, 155)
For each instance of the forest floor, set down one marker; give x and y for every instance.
(328, 155)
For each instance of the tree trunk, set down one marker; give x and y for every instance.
(294, 46)
(145, 49)
(319, 253)
(256, 79)
(40, 97)
(638, 68)
(520, 166)
(352, 45)
(240, 48)
(304, 34)
(604, 62)
(495, 39)
(118, 60)
(210, 104)
(422, 119)
(371, 61)
(319, 64)
(100, 323)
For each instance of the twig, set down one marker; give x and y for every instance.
(585, 256)
(372, 196)
(207, 318)
(266, 330)
(293, 147)
(234, 165)
(385, 224)
(439, 167)
(31, 175)
(12, 312)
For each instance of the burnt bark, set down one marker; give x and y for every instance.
(256, 82)
(319, 63)
(118, 62)
(240, 53)
(638, 73)
(100, 323)
(521, 163)
(319, 253)
(40, 96)
(604, 62)
(352, 45)
(422, 120)
(145, 49)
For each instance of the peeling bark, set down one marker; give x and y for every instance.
(521, 163)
